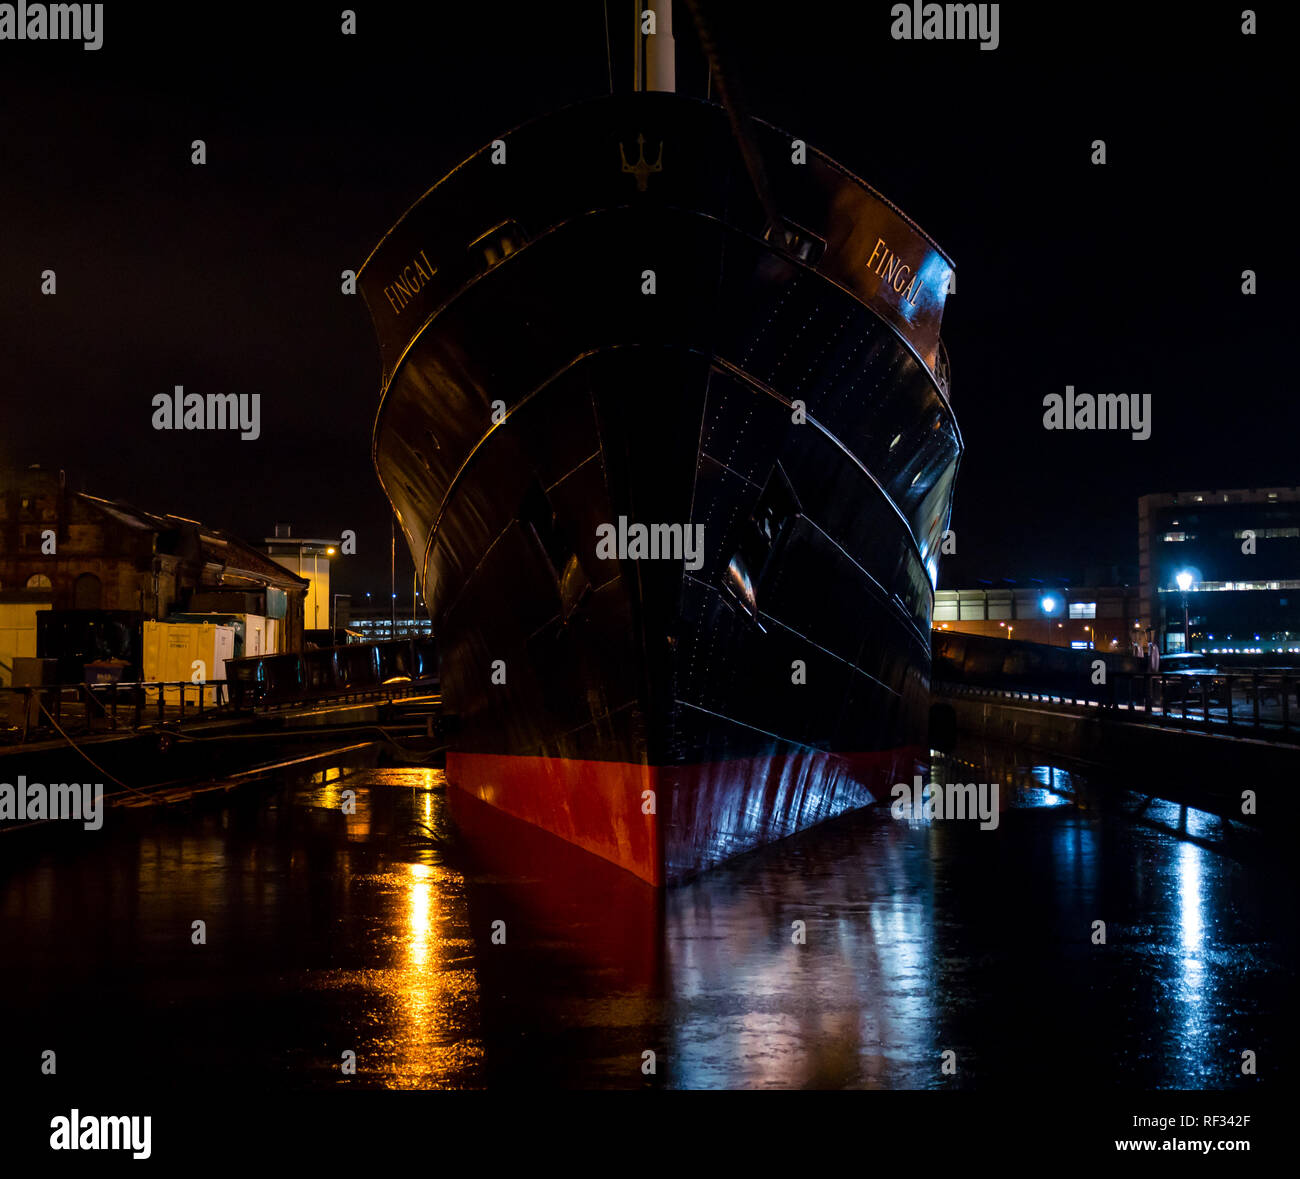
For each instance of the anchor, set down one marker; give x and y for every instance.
(641, 169)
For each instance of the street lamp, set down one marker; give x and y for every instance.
(1184, 580)
(315, 588)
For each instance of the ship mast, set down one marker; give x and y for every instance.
(655, 63)
(736, 114)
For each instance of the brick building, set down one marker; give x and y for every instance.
(65, 550)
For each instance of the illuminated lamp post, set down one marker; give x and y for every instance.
(1048, 604)
(1184, 580)
(329, 552)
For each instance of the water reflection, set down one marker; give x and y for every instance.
(1193, 980)
(347, 912)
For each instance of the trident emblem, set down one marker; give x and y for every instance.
(641, 170)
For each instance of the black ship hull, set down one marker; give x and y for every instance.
(673, 480)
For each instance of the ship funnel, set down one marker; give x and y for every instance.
(656, 53)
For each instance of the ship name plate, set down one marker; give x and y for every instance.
(895, 272)
(413, 277)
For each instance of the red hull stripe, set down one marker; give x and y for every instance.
(594, 804)
(600, 805)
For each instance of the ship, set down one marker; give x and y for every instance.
(665, 423)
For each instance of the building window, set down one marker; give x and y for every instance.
(86, 592)
(39, 581)
(1083, 609)
(1177, 537)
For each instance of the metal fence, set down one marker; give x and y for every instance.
(358, 671)
(94, 707)
(1258, 703)
(353, 671)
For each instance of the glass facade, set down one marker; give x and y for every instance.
(372, 627)
(1226, 566)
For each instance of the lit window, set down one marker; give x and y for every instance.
(1083, 609)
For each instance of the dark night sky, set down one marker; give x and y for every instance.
(225, 278)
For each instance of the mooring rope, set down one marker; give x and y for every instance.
(116, 781)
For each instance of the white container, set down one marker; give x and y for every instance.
(254, 634)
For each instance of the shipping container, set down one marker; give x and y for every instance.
(250, 629)
(17, 635)
(184, 651)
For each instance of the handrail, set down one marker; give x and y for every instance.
(1270, 701)
(356, 671)
(138, 693)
